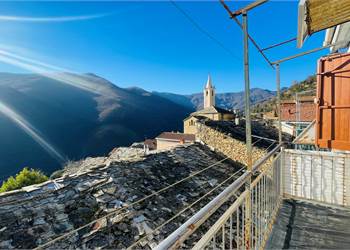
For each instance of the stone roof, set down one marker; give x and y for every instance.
(176, 136)
(35, 215)
(212, 110)
(238, 131)
(198, 117)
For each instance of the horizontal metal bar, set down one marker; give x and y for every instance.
(264, 138)
(257, 179)
(305, 53)
(249, 7)
(279, 44)
(318, 153)
(175, 239)
(213, 230)
(261, 161)
(249, 36)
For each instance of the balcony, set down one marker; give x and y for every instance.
(291, 199)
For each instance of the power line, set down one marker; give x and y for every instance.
(234, 17)
(129, 205)
(205, 32)
(187, 207)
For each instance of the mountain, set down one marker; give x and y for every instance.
(85, 116)
(234, 100)
(305, 87)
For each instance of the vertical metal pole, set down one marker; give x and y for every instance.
(278, 86)
(247, 223)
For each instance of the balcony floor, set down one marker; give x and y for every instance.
(305, 225)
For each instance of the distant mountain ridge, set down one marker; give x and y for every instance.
(91, 119)
(233, 100)
(77, 122)
(307, 86)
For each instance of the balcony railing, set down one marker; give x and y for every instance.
(317, 176)
(229, 231)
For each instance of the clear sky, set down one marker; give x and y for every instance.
(152, 45)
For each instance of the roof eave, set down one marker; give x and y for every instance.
(302, 25)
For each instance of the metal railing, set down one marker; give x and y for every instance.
(229, 231)
(298, 174)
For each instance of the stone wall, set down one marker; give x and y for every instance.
(231, 147)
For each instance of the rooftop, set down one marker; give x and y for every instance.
(35, 215)
(301, 225)
(238, 132)
(212, 110)
(176, 136)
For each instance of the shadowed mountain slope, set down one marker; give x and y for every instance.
(78, 123)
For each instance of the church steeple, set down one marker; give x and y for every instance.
(208, 82)
(209, 94)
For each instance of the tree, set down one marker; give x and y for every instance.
(24, 178)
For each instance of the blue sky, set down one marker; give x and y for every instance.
(153, 46)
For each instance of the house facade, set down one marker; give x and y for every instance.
(167, 140)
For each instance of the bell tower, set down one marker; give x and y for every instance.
(209, 94)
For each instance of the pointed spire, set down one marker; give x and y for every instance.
(209, 85)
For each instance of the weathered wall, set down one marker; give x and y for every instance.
(164, 144)
(190, 125)
(307, 112)
(226, 145)
(228, 117)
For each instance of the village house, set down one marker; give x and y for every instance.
(168, 140)
(297, 115)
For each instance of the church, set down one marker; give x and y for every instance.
(209, 110)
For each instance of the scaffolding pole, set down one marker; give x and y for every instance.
(232, 16)
(248, 130)
(278, 87)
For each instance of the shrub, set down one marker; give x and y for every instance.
(24, 178)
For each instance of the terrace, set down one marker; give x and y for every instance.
(301, 200)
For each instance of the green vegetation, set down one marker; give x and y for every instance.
(306, 85)
(297, 87)
(24, 178)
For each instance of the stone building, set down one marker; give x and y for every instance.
(229, 138)
(209, 110)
